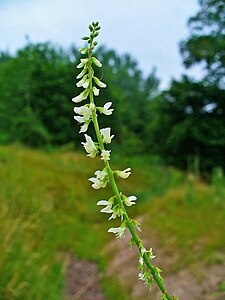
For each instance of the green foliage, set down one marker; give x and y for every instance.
(189, 124)
(207, 41)
(36, 91)
(43, 220)
(35, 96)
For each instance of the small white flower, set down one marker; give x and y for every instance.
(101, 175)
(89, 146)
(84, 82)
(130, 200)
(105, 132)
(99, 83)
(141, 276)
(83, 50)
(83, 128)
(79, 119)
(106, 110)
(105, 155)
(82, 63)
(124, 174)
(82, 73)
(95, 91)
(96, 62)
(97, 184)
(81, 97)
(108, 208)
(119, 231)
(85, 111)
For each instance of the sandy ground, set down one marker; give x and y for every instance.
(198, 283)
(83, 281)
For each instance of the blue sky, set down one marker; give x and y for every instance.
(149, 30)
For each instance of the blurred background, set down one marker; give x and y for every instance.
(164, 65)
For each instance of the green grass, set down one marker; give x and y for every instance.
(48, 212)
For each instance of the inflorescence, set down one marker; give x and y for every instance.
(115, 206)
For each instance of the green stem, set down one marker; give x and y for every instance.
(112, 181)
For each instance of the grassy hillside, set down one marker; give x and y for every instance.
(48, 212)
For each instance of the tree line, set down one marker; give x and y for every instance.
(185, 124)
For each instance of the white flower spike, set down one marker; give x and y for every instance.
(116, 205)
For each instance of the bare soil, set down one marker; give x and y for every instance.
(198, 283)
(83, 281)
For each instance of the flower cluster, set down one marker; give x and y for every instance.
(87, 114)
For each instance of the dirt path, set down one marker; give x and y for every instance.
(200, 283)
(83, 281)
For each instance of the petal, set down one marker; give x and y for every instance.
(96, 62)
(107, 105)
(99, 82)
(79, 119)
(102, 202)
(84, 128)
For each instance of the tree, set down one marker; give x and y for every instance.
(206, 44)
(37, 87)
(188, 120)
